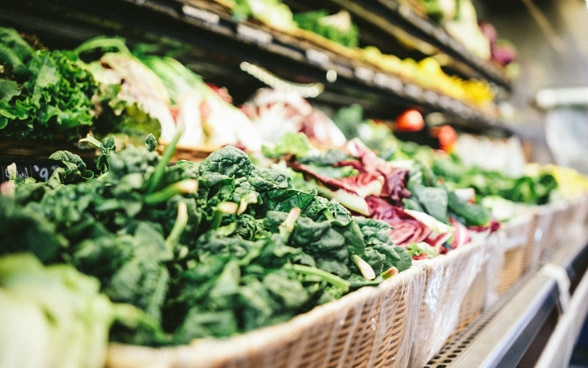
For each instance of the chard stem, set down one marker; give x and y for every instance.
(324, 275)
(179, 226)
(223, 208)
(287, 226)
(366, 270)
(91, 140)
(186, 186)
(162, 164)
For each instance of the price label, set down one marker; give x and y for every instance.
(317, 57)
(364, 74)
(35, 171)
(201, 14)
(255, 35)
(42, 172)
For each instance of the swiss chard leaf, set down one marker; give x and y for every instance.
(470, 214)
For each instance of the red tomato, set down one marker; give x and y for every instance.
(410, 120)
(446, 135)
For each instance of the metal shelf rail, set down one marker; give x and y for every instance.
(535, 323)
(391, 18)
(223, 41)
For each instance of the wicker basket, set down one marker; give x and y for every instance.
(370, 327)
(449, 278)
(512, 269)
(473, 303)
(517, 238)
(567, 225)
(542, 222)
(189, 153)
(482, 291)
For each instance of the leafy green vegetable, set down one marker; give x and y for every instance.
(296, 144)
(336, 27)
(533, 188)
(270, 12)
(23, 229)
(467, 212)
(55, 94)
(229, 161)
(203, 249)
(55, 316)
(43, 93)
(18, 46)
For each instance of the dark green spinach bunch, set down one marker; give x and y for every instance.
(209, 249)
(122, 223)
(325, 229)
(267, 252)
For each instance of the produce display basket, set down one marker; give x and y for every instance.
(567, 225)
(448, 280)
(370, 327)
(517, 236)
(473, 303)
(189, 153)
(40, 149)
(493, 267)
(483, 290)
(542, 222)
(556, 224)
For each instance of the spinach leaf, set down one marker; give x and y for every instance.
(229, 161)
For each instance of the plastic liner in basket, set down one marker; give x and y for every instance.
(551, 230)
(516, 237)
(449, 278)
(565, 225)
(542, 221)
(483, 286)
(492, 267)
(370, 327)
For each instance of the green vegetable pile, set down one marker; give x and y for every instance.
(528, 189)
(54, 316)
(62, 95)
(42, 93)
(534, 188)
(273, 13)
(335, 27)
(206, 249)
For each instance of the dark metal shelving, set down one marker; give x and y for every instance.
(387, 19)
(530, 324)
(215, 44)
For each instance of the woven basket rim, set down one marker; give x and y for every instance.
(204, 352)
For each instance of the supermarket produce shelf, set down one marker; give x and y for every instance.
(535, 323)
(391, 19)
(217, 44)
